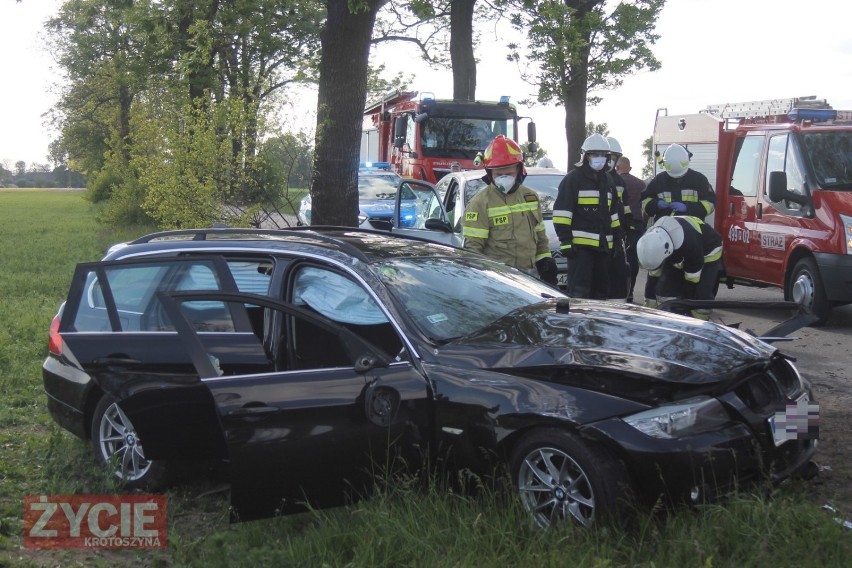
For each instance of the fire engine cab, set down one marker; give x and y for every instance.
(425, 138)
(783, 180)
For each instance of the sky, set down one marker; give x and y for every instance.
(712, 51)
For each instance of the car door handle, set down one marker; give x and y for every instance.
(262, 410)
(116, 361)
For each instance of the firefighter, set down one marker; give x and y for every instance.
(504, 220)
(678, 190)
(619, 270)
(585, 218)
(685, 254)
(632, 198)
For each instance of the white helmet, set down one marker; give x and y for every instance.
(545, 162)
(676, 160)
(595, 143)
(654, 247)
(614, 146)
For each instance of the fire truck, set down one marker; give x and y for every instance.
(783, 180)
(425, 138)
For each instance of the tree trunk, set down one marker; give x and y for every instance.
(345, 42)
(575, 87)
(461, 50)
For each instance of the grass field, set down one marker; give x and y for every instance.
(44, 234)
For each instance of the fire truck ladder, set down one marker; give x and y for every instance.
(767, 108)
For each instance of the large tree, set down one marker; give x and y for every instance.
(580, 47)
(341, 96)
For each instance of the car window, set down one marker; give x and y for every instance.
(547, 187)
(454, 297)
(134, 288)
(471, 188)
(377, 186)
(344, 301)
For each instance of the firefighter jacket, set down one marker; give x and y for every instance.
(585, 213)
(507, 227)
(695, 244)
(692, 189)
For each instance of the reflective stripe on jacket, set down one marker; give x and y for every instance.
(507, 227)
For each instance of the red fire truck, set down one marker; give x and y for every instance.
(783, 179)
(424, 138)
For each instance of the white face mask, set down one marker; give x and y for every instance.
(597, 162)
(611, 164)
(505, 183)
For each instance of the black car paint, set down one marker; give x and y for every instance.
(583, 370)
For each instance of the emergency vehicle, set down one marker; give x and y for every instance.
(425, 138)
(782, 172)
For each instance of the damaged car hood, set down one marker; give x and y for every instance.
(614, 338)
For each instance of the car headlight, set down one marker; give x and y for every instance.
(692, 416)
(361, 218)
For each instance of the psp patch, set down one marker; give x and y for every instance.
(500, 220)
(471, 216)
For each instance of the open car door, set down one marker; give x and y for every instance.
(295, 433)
(419, 212)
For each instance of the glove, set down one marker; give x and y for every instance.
(663, 204)
(678, 207)
(547, 270)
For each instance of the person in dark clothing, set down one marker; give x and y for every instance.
(586, 220)
(619, 269)
(634, 222)
(678, 190)
(685, 254)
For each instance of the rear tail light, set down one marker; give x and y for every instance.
(55, 343)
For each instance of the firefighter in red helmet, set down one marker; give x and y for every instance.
(504, 220)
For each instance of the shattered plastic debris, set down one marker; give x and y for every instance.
(844, 523)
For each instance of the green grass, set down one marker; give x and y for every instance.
(46, 233)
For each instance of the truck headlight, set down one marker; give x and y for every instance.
(692, 416)
(847, 232)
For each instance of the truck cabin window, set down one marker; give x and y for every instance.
(450, 137)
(830, 154)
(747, 166)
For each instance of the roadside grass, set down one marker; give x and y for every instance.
(44, 234)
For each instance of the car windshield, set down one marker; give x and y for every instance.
(547, 187)
(449, 298)
(461, 137)
(377, 186)
(830, 153)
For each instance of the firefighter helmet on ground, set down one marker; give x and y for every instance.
(502, 152)
(614, 146)
(654, 247)
(676, 160)
(595, 143)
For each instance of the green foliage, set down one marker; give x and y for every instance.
(531, 159)
(592, 128)
(405, 524)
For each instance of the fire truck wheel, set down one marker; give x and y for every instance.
(806, 288)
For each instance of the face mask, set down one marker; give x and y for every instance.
(597, 162)
(505, 183)
(611, 164)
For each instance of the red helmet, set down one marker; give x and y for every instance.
(502, 152)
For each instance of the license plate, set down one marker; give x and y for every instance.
(799, 420)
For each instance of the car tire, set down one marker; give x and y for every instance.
(806, 288)
(560, 477)
(118, 448)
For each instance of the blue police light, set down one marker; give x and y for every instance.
(375, 166)
(812, 114)
(504, 99)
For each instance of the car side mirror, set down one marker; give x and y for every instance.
(438, 225)
(778, 190)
